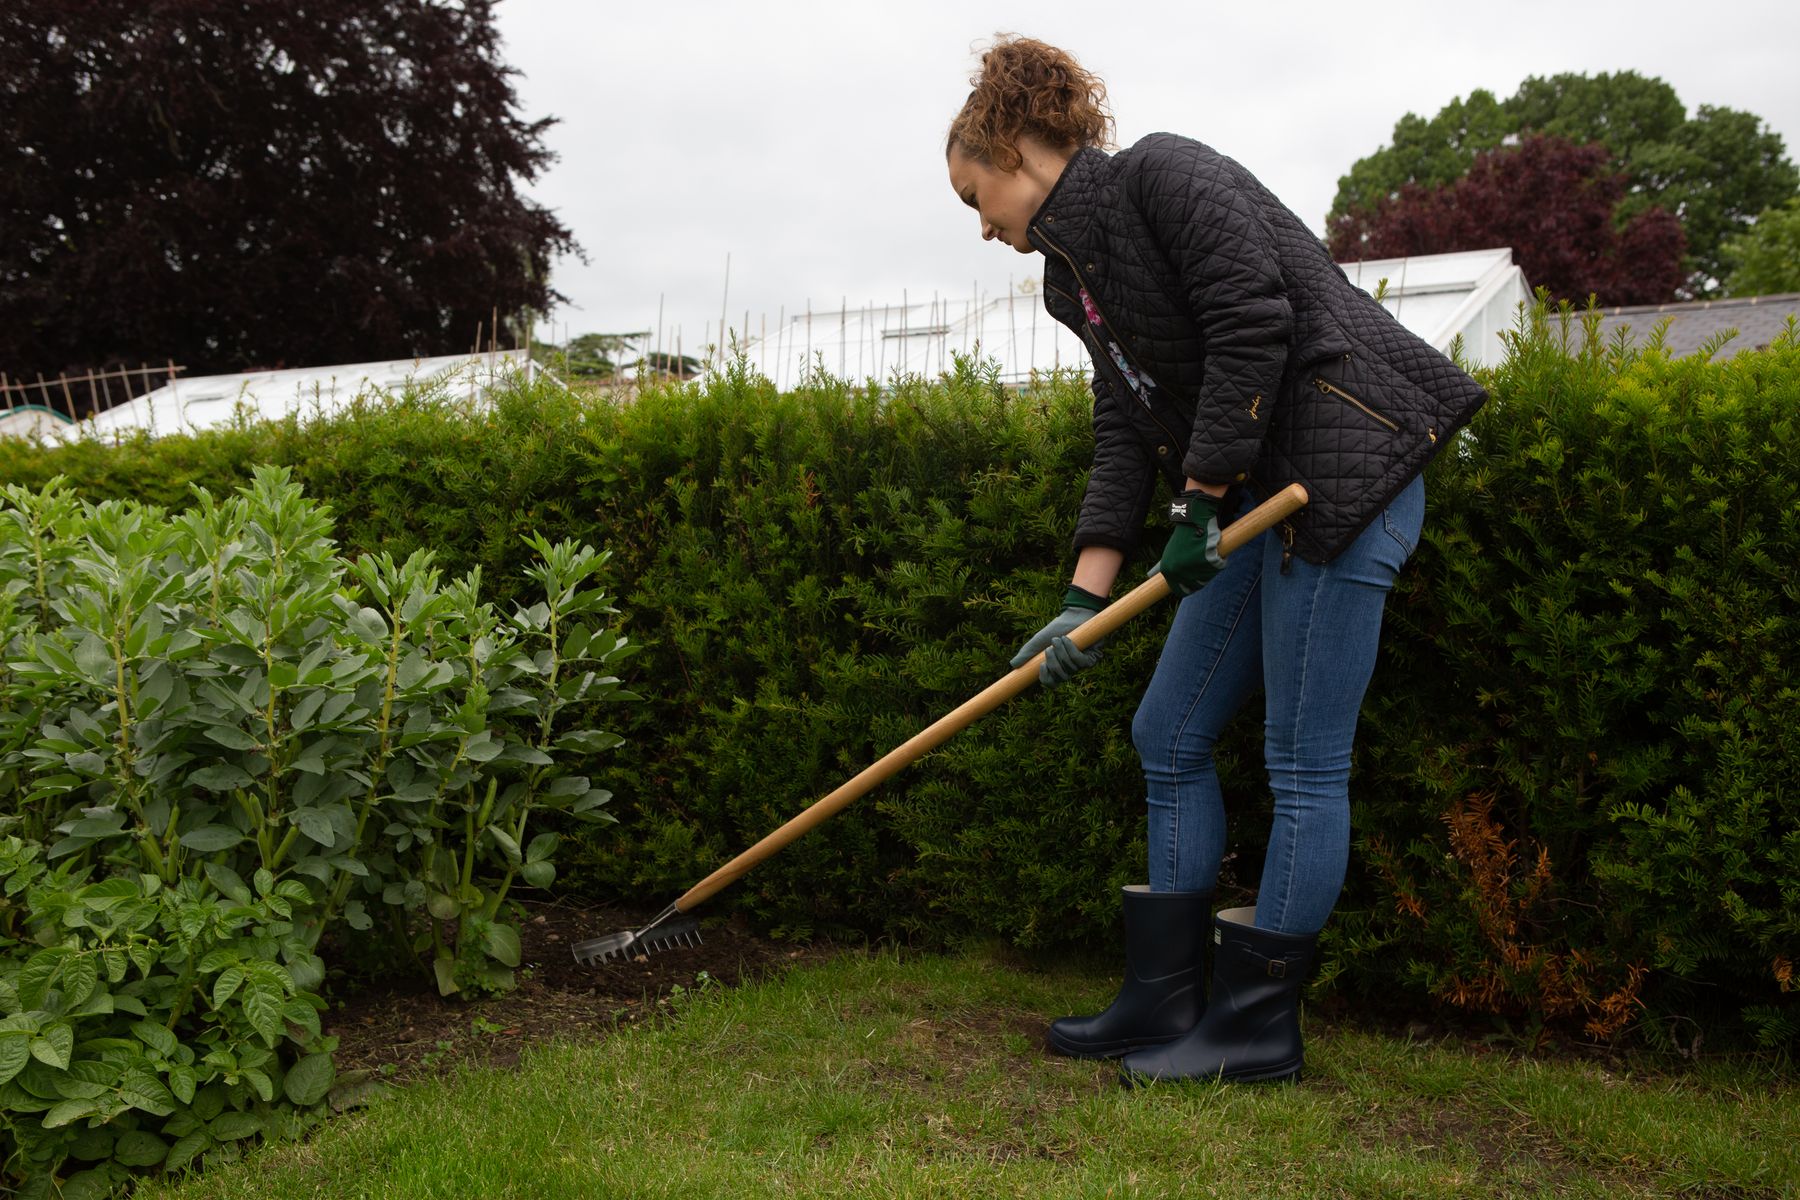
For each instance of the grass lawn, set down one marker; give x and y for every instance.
(873, 1075)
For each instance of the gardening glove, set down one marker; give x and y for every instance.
(1192, 556)
(1062, 658)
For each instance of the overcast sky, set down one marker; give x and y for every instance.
(805, 140)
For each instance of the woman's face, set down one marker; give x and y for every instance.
(1006, 200)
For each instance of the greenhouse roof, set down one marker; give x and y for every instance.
(200, 402)
(1473, 294)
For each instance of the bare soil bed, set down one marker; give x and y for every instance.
(402, 1029)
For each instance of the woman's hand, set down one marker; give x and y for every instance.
(1192, 558)
(1062, 658)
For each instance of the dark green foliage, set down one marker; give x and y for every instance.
(1579, 795)
(230, 186)
(1575, 791)
(1716, 169)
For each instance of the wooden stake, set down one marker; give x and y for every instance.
(68, 396)
(726, 296)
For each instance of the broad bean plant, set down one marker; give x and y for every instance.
(226, 750)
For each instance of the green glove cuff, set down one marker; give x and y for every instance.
(1077, 597)
(1193, 507)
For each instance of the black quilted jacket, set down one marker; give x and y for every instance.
(1266, 365)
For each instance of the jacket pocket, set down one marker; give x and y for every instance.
(1328, 388)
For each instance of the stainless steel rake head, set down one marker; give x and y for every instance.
(668, 930)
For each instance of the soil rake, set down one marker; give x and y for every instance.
(671, 927)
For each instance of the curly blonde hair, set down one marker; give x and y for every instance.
(1029, 87)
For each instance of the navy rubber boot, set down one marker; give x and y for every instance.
(1164, 991)
(1251, 1028)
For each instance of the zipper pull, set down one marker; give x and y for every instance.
(1287, 547)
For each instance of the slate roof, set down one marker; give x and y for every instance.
(1757, 319)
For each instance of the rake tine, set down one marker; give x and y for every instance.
(661, 933)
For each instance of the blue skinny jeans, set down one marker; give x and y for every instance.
(1308, 638)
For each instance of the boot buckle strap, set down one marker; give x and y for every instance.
(1277, 968)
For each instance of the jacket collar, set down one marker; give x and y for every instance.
(1065, 212)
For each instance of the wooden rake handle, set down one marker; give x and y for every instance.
(1258, 520)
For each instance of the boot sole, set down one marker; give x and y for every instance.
(1288, 1072)
(1102, 1050)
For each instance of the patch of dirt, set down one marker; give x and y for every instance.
(401, 1029)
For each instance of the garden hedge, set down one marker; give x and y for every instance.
(1575, 795)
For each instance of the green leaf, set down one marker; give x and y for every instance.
(218, 960)
(220, 778)
(15, 1052)
(310, 1079)
(445, 970)
(34, 978)
(542, 846)
(185, 1151)
(94, 659)
(483, 747)
(81, 975)
(156, 1036)
(228, 881)
(539, 873)
(502, 944)
(314, 867)
(441, 906)
(507, 845)
(589, 741)
(54, 1046)
(519, 752)
(265, 1087)
(357, 916)
(226, 985)
(69, 1110)
(232, 737)
(316, 824)
(308, 707)
(262, 1008)
(92, 1145)
(140, 1149)
(230, 1126)
(142, 1089)
(210, 838)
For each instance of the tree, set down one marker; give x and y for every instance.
(1766, 260)
(259, 183)
(592, 355)
(1714, 170)
(1549, 199)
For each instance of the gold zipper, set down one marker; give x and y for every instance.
(1107, 325)
(1331, 389)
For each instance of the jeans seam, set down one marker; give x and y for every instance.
(1187, 715)
(1299, 707)
(1387, 527)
